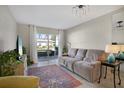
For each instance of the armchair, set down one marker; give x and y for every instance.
(19, 82)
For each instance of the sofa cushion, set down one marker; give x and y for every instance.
(80, 54)
(89, 71)
(72, 52)
(83, 64)
(93, 54)
(69, 59)
(70, 62)
(86, 59)
(65, 57)
(62, 60)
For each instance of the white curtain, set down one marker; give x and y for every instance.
(33, 43)
(61, 41)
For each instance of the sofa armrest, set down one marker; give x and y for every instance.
(95, 70)
(64, 54)
(95, 64)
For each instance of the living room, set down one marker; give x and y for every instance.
(63, 50)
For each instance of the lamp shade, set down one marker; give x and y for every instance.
(112, 48)
(122, 48)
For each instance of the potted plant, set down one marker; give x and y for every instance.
(24, 50)
(65, 50)
(8, 63)
(29, 62)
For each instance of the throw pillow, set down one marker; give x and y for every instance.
(72, 52)
(80, 54)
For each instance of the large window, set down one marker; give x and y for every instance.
(47, 42)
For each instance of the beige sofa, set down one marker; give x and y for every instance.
(83, 62)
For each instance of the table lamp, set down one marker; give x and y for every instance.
(112, 49)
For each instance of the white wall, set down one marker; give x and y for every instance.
(118, 32)
(45, 30)
(8, 33)
(94, 34)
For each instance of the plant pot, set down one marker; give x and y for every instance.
(19, 69)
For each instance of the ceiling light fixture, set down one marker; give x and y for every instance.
(118, 26)
(80, 10)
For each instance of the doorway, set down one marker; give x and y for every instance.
(47, 47)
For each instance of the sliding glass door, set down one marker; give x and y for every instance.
(42, 47)
(53, 46)
(47, 47)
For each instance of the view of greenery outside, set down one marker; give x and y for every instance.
(42, 42)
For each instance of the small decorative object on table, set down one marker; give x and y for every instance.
(111, 49)
(121, 52)
(111, 58)
(121, 55)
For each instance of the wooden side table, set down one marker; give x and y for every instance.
(112, 65)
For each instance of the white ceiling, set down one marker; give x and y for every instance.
(56, 16)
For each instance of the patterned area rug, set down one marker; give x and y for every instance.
(56, 73)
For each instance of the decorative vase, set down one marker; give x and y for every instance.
(121, 55)
(111, 58)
